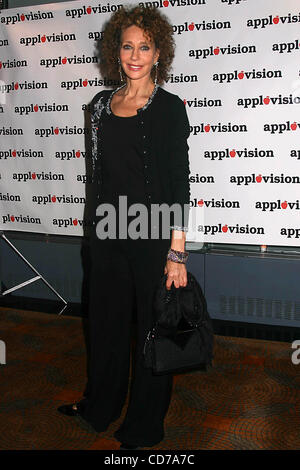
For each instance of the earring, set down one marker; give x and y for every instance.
(156, 66)
(120, 70)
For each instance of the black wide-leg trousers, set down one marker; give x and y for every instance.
(124, 276)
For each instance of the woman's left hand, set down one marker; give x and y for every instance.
(176, 273)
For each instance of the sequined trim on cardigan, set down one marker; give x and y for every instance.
(108, 108)
(95, 119)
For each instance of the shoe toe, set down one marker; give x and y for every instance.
(68, 410)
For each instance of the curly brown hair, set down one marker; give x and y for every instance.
(155, 25)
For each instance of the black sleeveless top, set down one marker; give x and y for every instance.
(121, 160)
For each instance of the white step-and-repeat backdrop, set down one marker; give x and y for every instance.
(237, 69)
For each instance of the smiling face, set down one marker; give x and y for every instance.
(138, 53)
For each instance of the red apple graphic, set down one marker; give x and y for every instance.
(14, 153)
(64, 60)
(259, 179)
(276, 20)
(216, 50)
(200, 203)
(12, 218)
(241, 75)
(232, 153)
(33, 176)
(78, 153)
(225, 228)
(191, 26)
(207, 128)
(75, 222)
(284, 205)
(85, 82)
(89, 10)
(267, 100)
(166, 3)
(36, 108)
(294, 126)
(22, 17)
(16, 86)
(53, 199)
(43, 38)
(56, 130)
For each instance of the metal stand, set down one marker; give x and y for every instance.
(36, 278)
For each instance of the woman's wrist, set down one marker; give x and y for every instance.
(177, 256)
(178, 240)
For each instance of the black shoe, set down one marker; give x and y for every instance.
(125, 446)
(69, 410)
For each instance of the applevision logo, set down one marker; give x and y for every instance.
(282, 127)
(34, 176)
(55, 131)
(295, 154)
(233, 153)
(203, 26)
(33, 40)
(173, 3)
(28, 16)
(17, 86)
(10, 131)
(4, 42)
(215, 51)
(70, 222)
(13, 64)
(273, 179)
(4, 154)
(248, 75)
(272, 206)
(70, 155)
(10, 197)
(215, 204)
(201, 178)
(83, 83)
(55, 199)
(20, 219)
(75, 60)
(44, 108)
(287, 47)
(228, 229)
(91, 10)
(290, 232)
(267, 100)
(212, 128)
(204, 103)
(272, 20)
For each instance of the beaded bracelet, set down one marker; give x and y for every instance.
(177, 256)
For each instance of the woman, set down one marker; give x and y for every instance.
(140, 151)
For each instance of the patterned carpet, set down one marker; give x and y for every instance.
(249, 399)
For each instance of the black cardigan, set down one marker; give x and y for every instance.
(164, 128)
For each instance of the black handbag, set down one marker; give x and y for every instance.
(182, 337)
